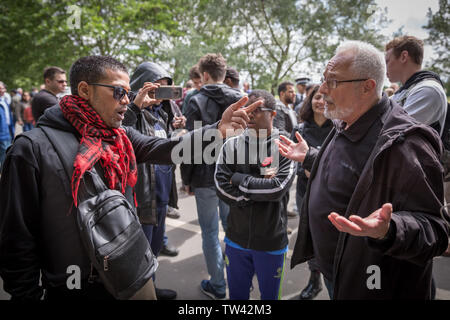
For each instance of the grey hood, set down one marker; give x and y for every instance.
(148, 72)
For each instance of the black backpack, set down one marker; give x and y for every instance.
(109, 227)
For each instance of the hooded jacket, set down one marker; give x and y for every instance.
(38, 229)
(144, 121)
(206, 107)
(403, 169)
(423, 97)
(257, 219)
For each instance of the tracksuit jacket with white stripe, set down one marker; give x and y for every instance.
(258, 215)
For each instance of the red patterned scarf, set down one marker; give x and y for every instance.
(99, 142)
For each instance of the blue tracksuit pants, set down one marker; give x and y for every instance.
(241, 265)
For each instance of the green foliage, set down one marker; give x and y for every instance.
(268, 41)
(439, 32)
(36, 34)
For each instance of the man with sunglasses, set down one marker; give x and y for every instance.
(55, 83)
(371, 212)
(39, 233)
(254, 180)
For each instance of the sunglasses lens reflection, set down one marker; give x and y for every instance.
(119, 93)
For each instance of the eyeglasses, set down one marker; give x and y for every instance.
(118, 93)
(258, 110)
(332, 83)
(61, 81)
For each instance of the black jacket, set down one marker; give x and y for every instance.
(403, 169)
(143, 121)
(257, 219)
(206, 107)
(151, 72)
(38, 230)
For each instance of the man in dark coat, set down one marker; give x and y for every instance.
(371, 212)
(38, 228)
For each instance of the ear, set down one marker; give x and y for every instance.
(83, 90)
(404, 56)
(369, 85)
(205, 77)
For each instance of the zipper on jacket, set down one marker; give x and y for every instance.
(105, 263)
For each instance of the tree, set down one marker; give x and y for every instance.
(439, 31)
(276, 40)
(36, 34)
(268, 41)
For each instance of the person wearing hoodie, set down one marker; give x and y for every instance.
(39, 235)
(207, 107)
(422, 93)
(154, 185)
(254, 180)
(371, 212)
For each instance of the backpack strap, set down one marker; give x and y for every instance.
(66, 146)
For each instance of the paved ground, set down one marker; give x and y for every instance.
(185, 271)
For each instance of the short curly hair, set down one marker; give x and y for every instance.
(92, 69)
(215, 65)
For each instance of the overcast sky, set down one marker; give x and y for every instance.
(412, 14)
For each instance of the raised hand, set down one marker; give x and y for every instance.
(376, 225)
(235, 118)
(142, 98)
(291, 150)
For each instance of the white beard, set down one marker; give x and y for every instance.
(336, 114)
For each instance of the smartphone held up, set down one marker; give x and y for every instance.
(166, 93)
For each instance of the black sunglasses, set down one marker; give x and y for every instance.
(118, 92)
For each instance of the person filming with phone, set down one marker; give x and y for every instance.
(153, 113)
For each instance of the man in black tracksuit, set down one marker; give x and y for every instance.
(207, 107)
(254, 180)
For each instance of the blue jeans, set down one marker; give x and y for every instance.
(208, 217)
(155, 234)
(27, 127)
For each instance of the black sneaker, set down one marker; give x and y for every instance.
(168, 251)
(165, 294)
(210, 292)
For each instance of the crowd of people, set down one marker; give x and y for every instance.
(365, 162)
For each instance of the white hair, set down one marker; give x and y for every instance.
(368, 62)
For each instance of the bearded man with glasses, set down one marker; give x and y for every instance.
(371, 212)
